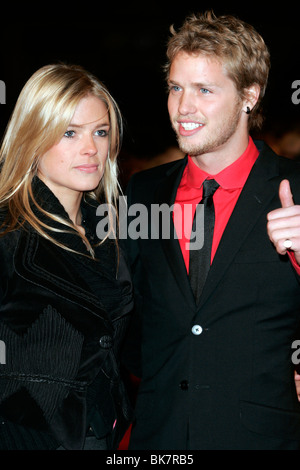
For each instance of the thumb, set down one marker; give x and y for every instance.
(285, 194)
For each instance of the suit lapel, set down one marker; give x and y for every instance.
(166, 194)
(255, 197)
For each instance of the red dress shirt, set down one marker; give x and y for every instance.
(189, 194)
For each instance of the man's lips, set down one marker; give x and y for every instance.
(187, 128)
(91, 168)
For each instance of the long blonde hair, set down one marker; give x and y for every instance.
(40, 118)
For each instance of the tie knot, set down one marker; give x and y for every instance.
(209, 188)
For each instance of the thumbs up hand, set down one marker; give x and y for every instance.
(285, 194)
(284, 223)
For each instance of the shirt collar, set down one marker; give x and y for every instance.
(232, 177)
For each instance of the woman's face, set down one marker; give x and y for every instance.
(76, 163)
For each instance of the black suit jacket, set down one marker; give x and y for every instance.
(231, 386)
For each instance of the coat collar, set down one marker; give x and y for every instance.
(166, 194)
(65, 235)
(46, 264)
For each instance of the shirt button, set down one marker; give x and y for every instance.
(105, 342)
(197, 330)
(184, 385)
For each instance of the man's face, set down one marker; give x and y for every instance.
(204, 106)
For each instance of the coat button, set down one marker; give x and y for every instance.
(184, 385)
(105, 342)
(197, 330)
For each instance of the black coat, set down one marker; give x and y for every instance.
(231, 386)
(62, 319)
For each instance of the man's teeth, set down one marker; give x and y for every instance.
(190, 126)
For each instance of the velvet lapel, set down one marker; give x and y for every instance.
(166, 194)
(255, 197)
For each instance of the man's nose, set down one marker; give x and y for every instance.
(187, 103)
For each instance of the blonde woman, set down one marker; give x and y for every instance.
(65, 295)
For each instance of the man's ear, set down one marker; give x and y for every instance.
(251, 96)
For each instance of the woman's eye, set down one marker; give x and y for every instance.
(101, 133)
(69, 134)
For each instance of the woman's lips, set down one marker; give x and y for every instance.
(87, 168)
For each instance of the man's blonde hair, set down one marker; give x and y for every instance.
(236, 44)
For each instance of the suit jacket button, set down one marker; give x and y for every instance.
(105, 342)
(197, 330)
(184, 385)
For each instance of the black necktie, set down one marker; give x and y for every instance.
(200, 258)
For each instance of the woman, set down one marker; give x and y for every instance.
(65, 295)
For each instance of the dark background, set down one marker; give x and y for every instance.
(124, 45)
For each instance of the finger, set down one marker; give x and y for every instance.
(277, 216)
(283, 241)
(297, 381)
(285, 194)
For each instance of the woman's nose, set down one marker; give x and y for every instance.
(88, 145)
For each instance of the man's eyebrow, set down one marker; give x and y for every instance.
(172, 82)
(200, 84)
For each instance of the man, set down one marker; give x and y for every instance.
(216, 373)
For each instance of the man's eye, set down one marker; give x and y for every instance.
(174, 89)
(204, 91)
(69, 134)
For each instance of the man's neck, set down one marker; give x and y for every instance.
(215, 161)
